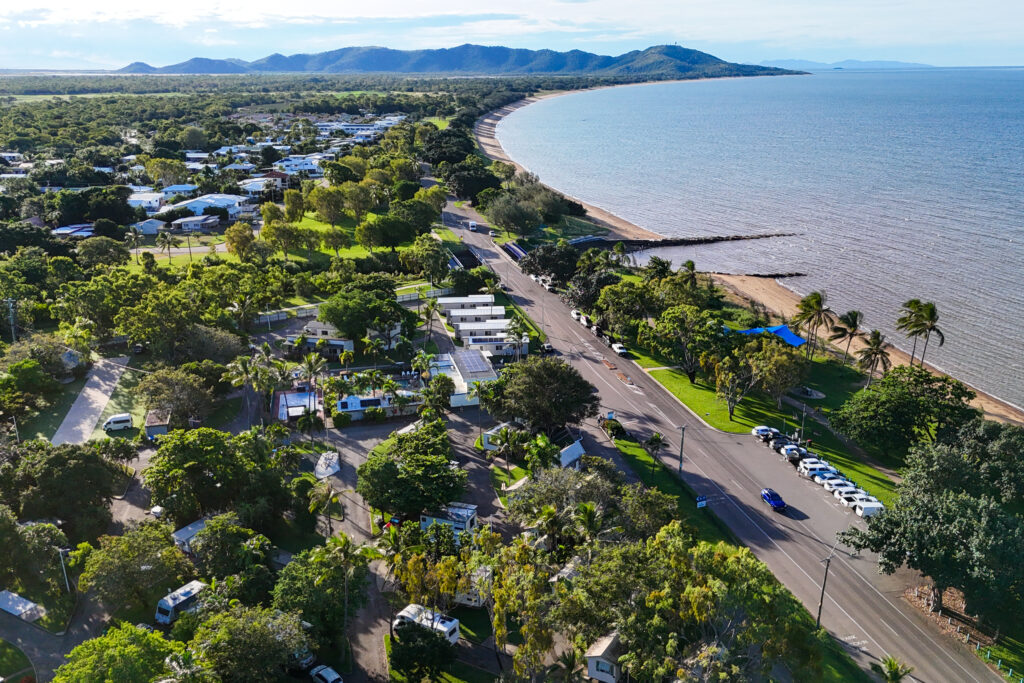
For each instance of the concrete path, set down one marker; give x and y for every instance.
(85, 412)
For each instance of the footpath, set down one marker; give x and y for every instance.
(85, 412)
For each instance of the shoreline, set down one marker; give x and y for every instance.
(767, 291)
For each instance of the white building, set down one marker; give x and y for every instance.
(152, 202)
(474, 315)
(498, 344)
(196, 223)
(486, 328)
(459, 516)
(174, 190)
(464, 366)
(150, 226)
(603, 659)
(255, 187)
(232, 202)
(448, 303)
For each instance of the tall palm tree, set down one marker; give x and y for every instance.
(346, 357)
(891, 670)
(588, 521)
(874, 355)
(478, 391)
(552, 523)
(430, 311)
(688, 274)
(240, 373)
(340, 554)
(621, 255)
(322, 497)
(928, 324)
(393, 549)
(311, 368)
(908, 323)
(374, 347)
(375, 378)
(847, 328)
(310, 422)
(511, 443)
(515, 331)
(813, 312)
(571, 666)
(165, 241)
(187, 667)
(133, 240)
(422, 362)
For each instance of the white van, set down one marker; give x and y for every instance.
(118, 422)
(866, 510)
(176, 603)
(420, 615)
(472, 226)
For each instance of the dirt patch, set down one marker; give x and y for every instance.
(951, 620)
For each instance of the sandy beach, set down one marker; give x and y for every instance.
(783, 301)
(766, 291)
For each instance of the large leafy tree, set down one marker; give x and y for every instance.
(546, 392)
(225, 547)
(181, 394)
(557, 261)
(685, 334)
(419, 653)
(249, 643)
(124, 653)
(121, 570)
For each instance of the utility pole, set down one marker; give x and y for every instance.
(682, 437)
(10, 313)
(821, 600)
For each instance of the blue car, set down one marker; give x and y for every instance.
(773, 499)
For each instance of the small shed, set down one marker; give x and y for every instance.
(12, 603)
(157, 423)
(603, 659)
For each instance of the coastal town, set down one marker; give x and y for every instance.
(324, 386)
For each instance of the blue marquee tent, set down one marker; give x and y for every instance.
(781, 331)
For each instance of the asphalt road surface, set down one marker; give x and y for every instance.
(862, 609)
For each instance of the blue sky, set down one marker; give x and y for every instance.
(91, 34)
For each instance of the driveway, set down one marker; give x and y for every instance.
(85, 412)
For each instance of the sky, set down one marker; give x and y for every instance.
(103, 34)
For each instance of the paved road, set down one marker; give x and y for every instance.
(85, 412)
(863, 610)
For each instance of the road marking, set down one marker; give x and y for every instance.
(738, 485)
(887, 625)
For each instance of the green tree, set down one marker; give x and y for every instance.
(167, 171)
(544, 391)
(102, 251)
(224, 547)
(283, 237)
(541, 453)
(928, 324)
(515, 216)
(874, 355)
(418, 653)
(165, 241)
(737, 374)
(180, 394)
(271, 213)
(294, 206)
(847, 328)
(239, 238)
(813, 312)
(685, 334)
(310, 422)
(159, 319)
(427, 255)
(323, 499)
(250, 643)
(124, 653)
(122, 570)
(909, 323)
(780, 368)
(133, 240)
(437, 395)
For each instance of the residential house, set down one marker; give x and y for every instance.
(323, 338)
(498, 344)
(78, 231)
(235, 204)
(194, 155)
(175, 190)
(448, 303)
(486, 328)
(603, 659)
(150, 226)
(474, 315)
(459, 516)
(152, 202)
(255, 187)
(356, 404)
(464, 366)
(571, 444)
(240, 166)
(196, 223)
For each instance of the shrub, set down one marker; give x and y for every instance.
(374, 414)
(614, 429)
(342, 419)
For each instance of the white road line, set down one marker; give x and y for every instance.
(738, 485)
(887, 625)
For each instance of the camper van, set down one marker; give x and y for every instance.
(176, 603)
(118, 422)
(420, 615)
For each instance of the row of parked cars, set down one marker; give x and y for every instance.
(818, 470)
(582, 319)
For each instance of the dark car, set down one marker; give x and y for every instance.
(777, 444)
(773, 499)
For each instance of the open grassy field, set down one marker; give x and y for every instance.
(440, 121)
(500, 477)
(44, 424)
(125, 399)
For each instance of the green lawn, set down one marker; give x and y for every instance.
(474, 623)
(225, 412)
(837, 381)
(459, 672)
(125, 399)
(12, 660)
(287, 535)
(648, 359)
(440, 121)
(57, 602)
(499, 476)
(44, 424)
(757, 409)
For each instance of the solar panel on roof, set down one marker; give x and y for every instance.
(473, 362)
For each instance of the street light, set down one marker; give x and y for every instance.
(60, 553)
(682, 437)
(821, 599)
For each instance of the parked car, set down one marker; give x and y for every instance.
(620, 349)
(575, 314)
(793, 449)
(780, 442)
(547, 348)
(116, 423)
(493, 233)
(472, 226)
(773, 499)
(808, 463)
(850, 490)
(550, 287)
(584, 320)
(325, 674)
(840, 483)
(814, 471)
(765, 433)
(504, 287)
(866, 510)
(856, 499)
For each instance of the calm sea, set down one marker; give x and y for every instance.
(897, 185)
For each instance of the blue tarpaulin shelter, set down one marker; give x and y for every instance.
(781, 331)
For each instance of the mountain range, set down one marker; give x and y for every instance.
(660, 60)
(847, 64)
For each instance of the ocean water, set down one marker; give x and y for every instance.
(896, 185)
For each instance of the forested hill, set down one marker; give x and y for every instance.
(661, 60)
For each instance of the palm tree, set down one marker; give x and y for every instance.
(374, 347)
(133, 240)
(621, 255)
(847, 329)
(874, 354)
(688, 274)
(891, 670)
(551, 523)
(346, 357)
(908, 323)
(391, 547)
(541, 453)
(422, 362)
(928, 324)
(374, 378)
(813, 311)
(322, 497)
(187, 667)
(515, 331)
(511, 443)
(478, 391)
(310, 422)
(588, 521)
(311, 367)
(240, 373)
(430, 311)
(571, 666)
(165, 241)
(341, 554)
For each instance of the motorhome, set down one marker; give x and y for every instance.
(176, 603)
